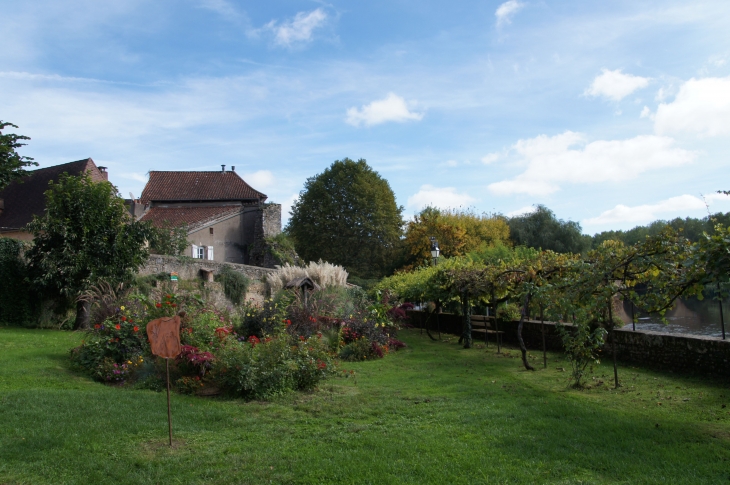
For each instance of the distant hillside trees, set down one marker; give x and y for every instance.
(347, 215)
(691, 228)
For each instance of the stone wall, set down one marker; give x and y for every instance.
(675, 352)
(188, 268)
(268, 224)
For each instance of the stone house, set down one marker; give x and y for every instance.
(24, 198)
(227, 220)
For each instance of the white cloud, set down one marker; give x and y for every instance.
(673, 207)
(506, 11)
(451, 163)
(223, 7)
(567, 157)
(298, 30)
(260, 180)
(490, 158)
(442, 197)
(702, 107)
(615, 84)
(391, 108)
(522, 211)
(646, 112)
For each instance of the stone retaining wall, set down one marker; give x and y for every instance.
(676, 352)
(188, 268)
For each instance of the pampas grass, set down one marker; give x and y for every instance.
(321, 272)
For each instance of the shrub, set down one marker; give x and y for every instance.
(113, 350)
(509, 312)
(16, 297)
(581, 348)
(357, 350)
(234, 283)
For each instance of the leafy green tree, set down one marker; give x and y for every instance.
(540, 229)
(347, 215)
(169, 239)
(86, 235)
(458, 233)
(12, 165)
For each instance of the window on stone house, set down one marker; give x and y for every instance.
(211, 230)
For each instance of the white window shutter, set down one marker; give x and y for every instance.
(210, 252)
(195, 251)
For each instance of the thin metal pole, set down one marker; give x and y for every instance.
(169, 414)
(722, 318)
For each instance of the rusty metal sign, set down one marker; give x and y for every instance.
(164, 335)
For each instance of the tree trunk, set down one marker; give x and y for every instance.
(466, 320)
(83, 309)
(519, 333)
(613, 342)
(544, 347)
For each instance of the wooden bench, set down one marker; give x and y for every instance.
(482, 325)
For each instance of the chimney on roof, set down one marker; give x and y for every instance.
(233, 168)
(104, 173)
(223, 168)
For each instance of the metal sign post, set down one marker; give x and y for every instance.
(164, 335)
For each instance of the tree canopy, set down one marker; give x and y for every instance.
(12, 165)
(458, 233)
(540, 229)
(86, 235)
(347, 215)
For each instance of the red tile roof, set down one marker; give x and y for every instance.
(198, 186)
(25, 198)
(194, 217)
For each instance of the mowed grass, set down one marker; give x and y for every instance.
(432, 413)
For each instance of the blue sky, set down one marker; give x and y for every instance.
(612, 114)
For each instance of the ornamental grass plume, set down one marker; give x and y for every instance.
(321, 272)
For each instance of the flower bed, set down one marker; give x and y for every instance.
(255, 352)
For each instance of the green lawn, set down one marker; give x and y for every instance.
(433, 413)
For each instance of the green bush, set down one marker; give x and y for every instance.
(357, 350)
(16, 296)
(234, 283)
(260, 369)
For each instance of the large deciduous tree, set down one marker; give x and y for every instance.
(458, 233)
(347, 215)
(542, 230)
(86, 235)
(12, 165)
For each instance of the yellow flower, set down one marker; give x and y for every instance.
(121, 308)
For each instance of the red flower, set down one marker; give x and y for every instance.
(288, 322)
(97, 326)
(321, 365)
(168, 296)
(124, 319)
(174, 305)
(301, 337)
(117, 326)
(136, 328)
(158, 305)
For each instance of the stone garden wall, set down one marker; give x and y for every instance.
(675, 352)
(190, 269)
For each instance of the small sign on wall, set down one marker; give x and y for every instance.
(173, 276)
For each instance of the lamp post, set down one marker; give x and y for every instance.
(434, 250)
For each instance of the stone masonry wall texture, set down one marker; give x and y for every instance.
(680, 353)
